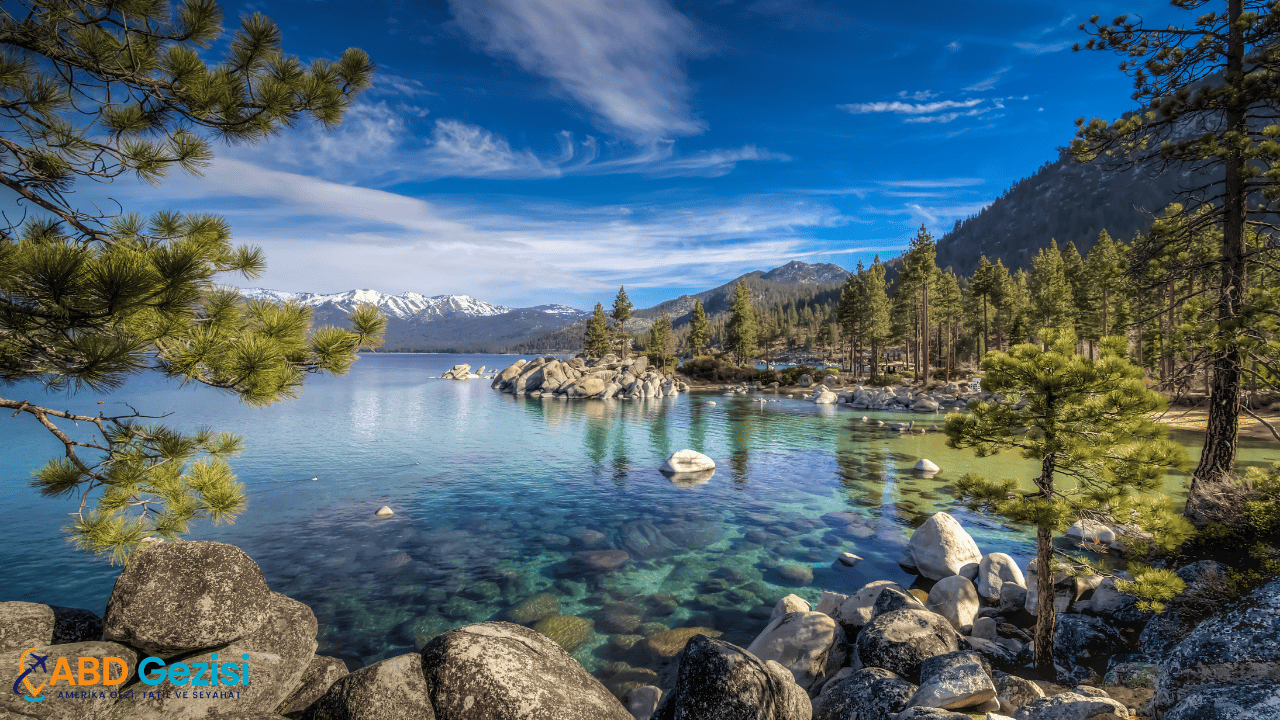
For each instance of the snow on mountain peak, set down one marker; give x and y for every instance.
(404, 306)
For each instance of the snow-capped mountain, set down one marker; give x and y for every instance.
(803, 273)
(442, 323)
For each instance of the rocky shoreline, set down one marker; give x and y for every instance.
(578, 377)
(953, 645)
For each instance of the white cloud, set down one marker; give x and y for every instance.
(917, 96)
(623, 61)
(461, 150)
(941, 183)
(988, 82)
(954, 46)
(907, 108)
(1042, 48)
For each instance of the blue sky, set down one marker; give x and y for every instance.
(534, 151)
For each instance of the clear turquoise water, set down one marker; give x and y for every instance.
(487, 490)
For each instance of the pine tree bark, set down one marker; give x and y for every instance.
(1217, 461)
(1045, 611)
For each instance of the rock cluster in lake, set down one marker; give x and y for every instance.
(883, 651)
(602, 378)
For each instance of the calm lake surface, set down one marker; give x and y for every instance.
(493, 495)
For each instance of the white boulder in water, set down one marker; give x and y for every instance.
(384, 512)
(928, 467)
(687, 461)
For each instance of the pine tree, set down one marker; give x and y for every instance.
(596, 340)
(850, 313)
(1052, 302)
(915, 282)
(1216, 76)
(1088, 421)
(987, 286)
(877, 326)
(699, 333)
(947, 309)
(1104, 295)
(741, 331)
(1073, 269)
(622, 312)
(100, 90)
(662, 342)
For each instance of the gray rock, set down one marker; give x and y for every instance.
(501, 671)
(994, 571)
(827, 602)
(893, 597)
(280, 651)
(642, 702)
(393, 689)
(23, 622)
(1132, 675)
(53, 706)
(955, 599)
(872, 693)
(789, 604)
(316, 680)
(955, 680)
(1070, 706)
(941, 548)
(929, 713)
(720, 681)
(998, 654)
(178, 597)
(856, 611)
(1254, 701)
(809, 644)
(900, 641)
(1014, 692)
(1082, 646)
(1013, 599)
(1237, 646)
(1114, 606)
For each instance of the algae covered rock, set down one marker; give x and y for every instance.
(536, 608)
(567, 631)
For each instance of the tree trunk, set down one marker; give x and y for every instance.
(1217, 461)
(986, 338)
(1043, 636)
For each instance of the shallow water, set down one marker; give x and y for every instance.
(493, 496)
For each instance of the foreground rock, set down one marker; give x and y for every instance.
(56, 704)
(1254, 701)
(1071, 706)
(867, 693)
(900, 641)
(316, 680)
(809, 644)
(1240, 645)
(23, 624)
(178, 597)
(393, 689)
(954, 680)
(721, 681)
(501, 671)
(941, 548)
(687, 461)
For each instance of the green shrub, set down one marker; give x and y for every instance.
(710, 369)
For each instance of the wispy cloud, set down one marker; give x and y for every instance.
(917, 96)
(954, 46)
(1042, 48)
(622, 61)
(948, 117)
(903, 108)
(988, 82)
(940, 183)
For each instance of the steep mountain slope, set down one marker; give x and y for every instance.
(443, 323)
(1067, 201)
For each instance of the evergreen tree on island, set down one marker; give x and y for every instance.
(622, 312)
(596, 341)
(699, 331)
(741, 331)
(1216, 76)
(93, 91)
(1086, 421)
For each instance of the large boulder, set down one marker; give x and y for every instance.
(501, 671)
(900, 641)
(1082, 647)
(321, 673)
(178, 597)
(508, 374)
(955, 680)
(994, 571)
(790, 604)
(928, 713)
(872, 693)
(1239, 645)
(1071, 706)
(279, 652)
(856, 610)
(393, 689)
(1013, 692)
(23, 624)
(809, 644)
(895, 598)
(955, 599)
(61, 701)
(941, 548)
(1254, 701)
(720, 681)
(687, 461)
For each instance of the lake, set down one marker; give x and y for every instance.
(495, 495)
